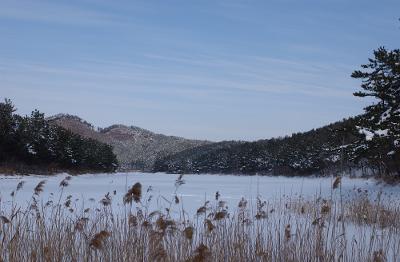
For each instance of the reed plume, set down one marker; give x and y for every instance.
(39, 187)
(98, 239)
(133, 194)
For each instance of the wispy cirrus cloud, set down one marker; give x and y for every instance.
(197, 74)
(55, 12)
(187, 66)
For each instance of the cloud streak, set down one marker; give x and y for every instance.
(199, 74)
(54, 12)
(234, 68)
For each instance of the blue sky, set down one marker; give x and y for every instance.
(216, 70)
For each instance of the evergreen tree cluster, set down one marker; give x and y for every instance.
(32, 140)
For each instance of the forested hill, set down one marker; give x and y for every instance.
(32, 144)
(318, 150)
(136, 148)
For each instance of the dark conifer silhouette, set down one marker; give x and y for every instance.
(32, 140)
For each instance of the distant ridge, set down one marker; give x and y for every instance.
(136, 148)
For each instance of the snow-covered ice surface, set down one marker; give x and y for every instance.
(90, 189)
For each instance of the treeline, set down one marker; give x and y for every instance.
(370, 141)
(34, 141)
(341, 146)
(330, 147)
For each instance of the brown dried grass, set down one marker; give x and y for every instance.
(290, 229)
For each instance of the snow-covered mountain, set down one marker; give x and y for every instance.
(136, 148)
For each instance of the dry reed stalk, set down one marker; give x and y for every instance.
(202, 254)
(39, 187)
(336, 182)
(133, 194)
(20, 185)
(65, 181)
(188, 232)
(296, 230)
(98, 240)
(4, 220)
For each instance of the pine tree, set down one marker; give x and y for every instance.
(7, 129)
(381, 122)
(33, 140)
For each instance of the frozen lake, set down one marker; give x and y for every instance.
(90, 189)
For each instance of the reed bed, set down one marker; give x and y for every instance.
(287, 229)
